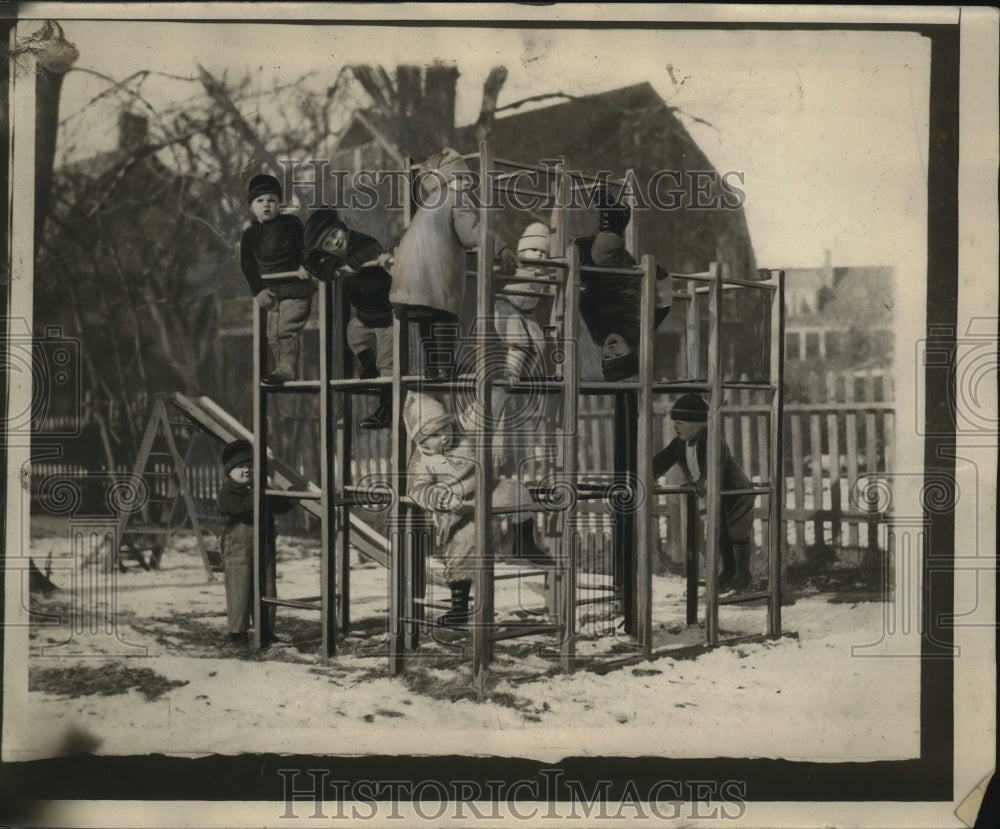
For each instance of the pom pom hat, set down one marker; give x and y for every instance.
(259, 185)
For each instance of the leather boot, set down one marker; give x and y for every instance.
(525, 547)
(369, 369)
(381, 418)
(459, 613)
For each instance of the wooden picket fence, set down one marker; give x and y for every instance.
(843, 433)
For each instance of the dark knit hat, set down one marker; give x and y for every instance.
(690, 408)
(319, 224)
(261, 184)
(236, 454)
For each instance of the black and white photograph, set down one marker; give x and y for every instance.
(534, 414)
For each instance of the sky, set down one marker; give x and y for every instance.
(828, 128)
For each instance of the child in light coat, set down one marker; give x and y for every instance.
(428, 277)
(442, 476)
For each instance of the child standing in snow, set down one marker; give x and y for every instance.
(236, 504)
(273, 244)
(689, 449)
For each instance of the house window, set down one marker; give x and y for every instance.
(812, 345)
(832, 344)
(792, 345)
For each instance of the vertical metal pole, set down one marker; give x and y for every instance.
(342, 410)
(692, 347)
(397, 468)
(482, 626)
(261, 633)
(713, 458)
(330, 485)
(776, 471)
(568, 436)
(644, 460)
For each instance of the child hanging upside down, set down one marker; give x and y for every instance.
(442, 475)
(610, 304)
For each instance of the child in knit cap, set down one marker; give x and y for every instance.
(236, 504)
(442, 475)
(428, 277)
(337, 252)
(515, 307)
(273, 244)
(689, 449)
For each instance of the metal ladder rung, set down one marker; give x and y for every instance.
(299, 603)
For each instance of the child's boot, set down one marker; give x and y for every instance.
(381, 418)
(369, 369)
(525, 547)
(742, 578)
(459, 613)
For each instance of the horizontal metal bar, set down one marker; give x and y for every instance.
(540, 280)
(301, 605)
(292, 387)
(605, 386)
(359, 383)
(632, 272)
(300, 494)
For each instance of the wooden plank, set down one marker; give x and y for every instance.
(851, 448)
(816, 451)
(798, 478)
(872, 465)
(833, 438)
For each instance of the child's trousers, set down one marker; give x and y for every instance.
(237, 564)
(284, 323)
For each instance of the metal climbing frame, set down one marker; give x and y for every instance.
(714, 286)
(408, 541)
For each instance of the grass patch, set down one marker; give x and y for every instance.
(106, 681)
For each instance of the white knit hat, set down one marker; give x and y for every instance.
(535, 239)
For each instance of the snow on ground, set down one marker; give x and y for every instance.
(161, 680)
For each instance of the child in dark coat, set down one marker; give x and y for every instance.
(273, 244)
(236, 504)
(689, 449)
(337, 252)
(610, 304)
